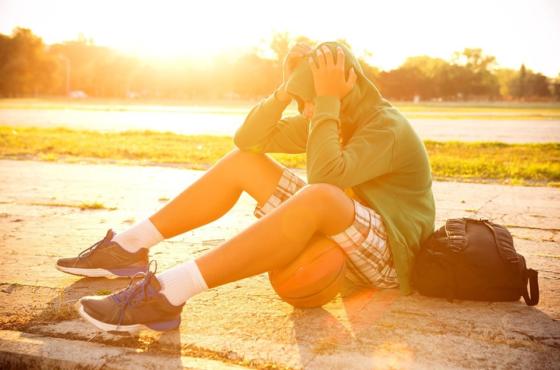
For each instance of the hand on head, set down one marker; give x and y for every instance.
(328, 75)
(293, 58)
(296, 54)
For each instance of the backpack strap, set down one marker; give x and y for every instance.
(504, 243)
(507, 252)
(456, 241)
(456, 231)
(531, 276)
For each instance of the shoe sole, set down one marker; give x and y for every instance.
(156, 326)
(117, 273)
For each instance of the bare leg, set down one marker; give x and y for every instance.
(217, 191)
(280, 236)
(272, 241)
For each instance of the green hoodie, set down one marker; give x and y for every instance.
(381, 159)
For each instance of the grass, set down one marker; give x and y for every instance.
(94, 205)
(60, 309)
(516, 164)
(84, 206)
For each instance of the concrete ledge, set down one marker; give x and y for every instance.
(31, 351)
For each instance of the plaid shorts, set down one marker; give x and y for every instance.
(369, 261)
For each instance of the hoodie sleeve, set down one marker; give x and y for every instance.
(368, 153)
(265, 131)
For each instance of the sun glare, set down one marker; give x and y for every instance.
(388, 31)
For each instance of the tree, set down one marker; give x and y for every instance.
(280, 45)
(505, 76)
(403, 83)
(431, 69)
(453, 82)
(556, 88)
(25, 66)
(371, 72)
(481, 82)
(529, 85)
(475, 60)
(429, 66)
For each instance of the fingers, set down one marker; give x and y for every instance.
(321, 62)
(312, 65)
(339, 58)
(324, 57)
(352, 78)
(329, 59)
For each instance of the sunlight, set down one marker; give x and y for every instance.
(177, 30)
(389, 31)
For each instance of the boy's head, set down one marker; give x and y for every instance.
(300, 85)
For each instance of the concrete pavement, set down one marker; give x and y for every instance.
(244, 323)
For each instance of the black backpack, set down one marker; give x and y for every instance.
(475, 260)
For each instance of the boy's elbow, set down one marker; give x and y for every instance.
(237, 140)
(246, 146)
(240, 140)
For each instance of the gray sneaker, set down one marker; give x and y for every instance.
(105, 259)
(140, 305)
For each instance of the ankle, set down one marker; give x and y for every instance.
(181, 282)
(142, 235)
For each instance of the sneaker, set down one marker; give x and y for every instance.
(139, 306)
(105, 259)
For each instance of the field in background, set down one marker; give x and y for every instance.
(439, 110)
(529, 164)
(517, 164)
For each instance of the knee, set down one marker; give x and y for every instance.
(323, 194)
(332, 209)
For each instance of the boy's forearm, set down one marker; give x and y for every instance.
(261, 120)
(323, 146)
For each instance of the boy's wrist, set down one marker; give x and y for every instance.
(328, 104)
(281, 95)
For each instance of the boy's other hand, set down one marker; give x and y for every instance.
(293, 58)
(329, 77)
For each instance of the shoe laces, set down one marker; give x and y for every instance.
(137, 292)
(88, 251)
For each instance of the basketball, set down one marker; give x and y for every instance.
(314, 277)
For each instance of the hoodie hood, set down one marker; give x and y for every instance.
(357, 106)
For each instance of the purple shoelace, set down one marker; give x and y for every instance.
(134, 294)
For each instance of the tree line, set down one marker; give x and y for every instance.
(28, 67)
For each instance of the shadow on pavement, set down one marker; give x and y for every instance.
(63, 308)
(382, 328)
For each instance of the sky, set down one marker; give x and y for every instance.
(514, 31)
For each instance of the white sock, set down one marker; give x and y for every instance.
(181, 282)
(142, 235)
